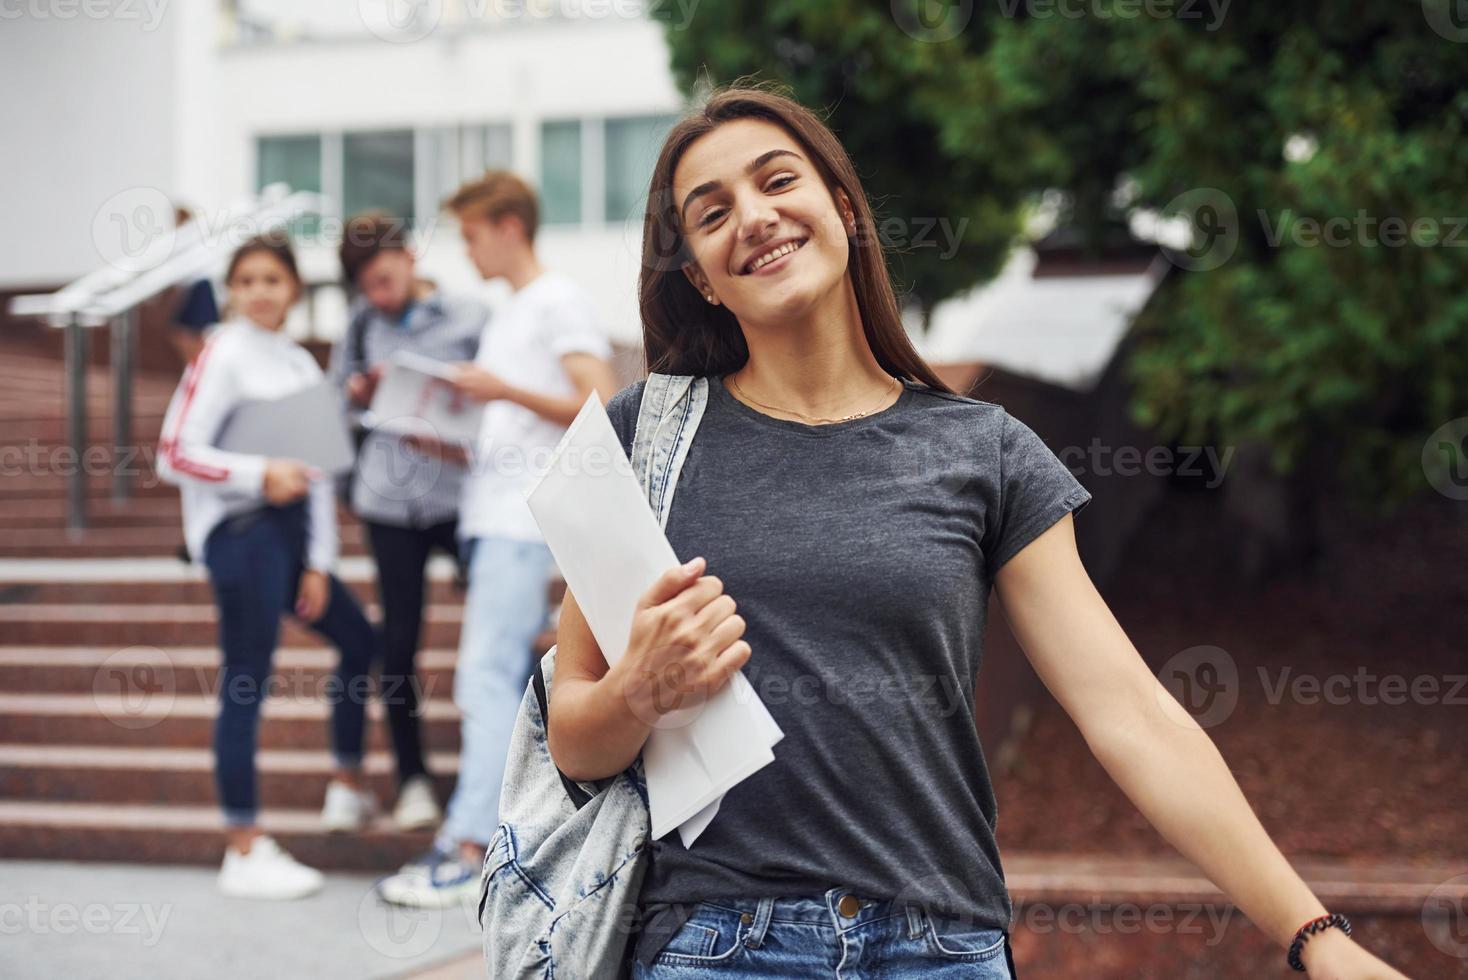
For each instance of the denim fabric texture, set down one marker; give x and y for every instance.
(837, 935)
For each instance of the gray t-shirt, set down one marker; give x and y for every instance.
(861, 554)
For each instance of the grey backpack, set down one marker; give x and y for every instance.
(562, 875)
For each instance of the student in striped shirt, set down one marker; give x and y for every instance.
(265, 529)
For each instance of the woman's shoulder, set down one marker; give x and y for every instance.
(224, 342)
(626, 402)
(958, 405)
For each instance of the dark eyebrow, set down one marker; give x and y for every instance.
(710, 186)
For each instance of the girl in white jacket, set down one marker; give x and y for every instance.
(265, 528)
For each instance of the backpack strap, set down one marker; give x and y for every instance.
(672, 406)
(357, 336)
(579, 797)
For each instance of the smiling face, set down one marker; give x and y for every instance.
(263, 289)
(767, 237)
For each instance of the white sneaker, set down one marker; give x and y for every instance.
(266, 872)
(416, 808)
(435, 881)
(347, 809)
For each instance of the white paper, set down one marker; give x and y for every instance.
(415, 397)
(608, 545)
(306, 425)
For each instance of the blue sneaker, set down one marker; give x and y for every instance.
(434, 880)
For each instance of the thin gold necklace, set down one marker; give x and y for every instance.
(810, 418)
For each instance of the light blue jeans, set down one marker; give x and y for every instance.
(812, 938)
(504, 611)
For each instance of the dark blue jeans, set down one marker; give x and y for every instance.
(255, 562)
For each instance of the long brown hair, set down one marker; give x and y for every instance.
(683, 334)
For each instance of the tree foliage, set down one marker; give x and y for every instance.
(1332, 326)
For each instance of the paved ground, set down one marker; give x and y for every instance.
(118, 922)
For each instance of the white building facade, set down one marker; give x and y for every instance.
(202, 103)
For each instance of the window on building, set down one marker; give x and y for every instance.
(560, 172)
(294, 161)
(377, 173)
(632, 146)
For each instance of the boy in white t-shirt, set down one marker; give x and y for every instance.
(539, 357)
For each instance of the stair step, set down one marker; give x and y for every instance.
(176, 834)
(184, 593)
(127, 571)
(159, 718)
(124, 542)
(51, 512)
(49, 427)
(290, 778)
(49, 484)
(1347, 885)
(160, 625)
(81, 547)
(184, 670)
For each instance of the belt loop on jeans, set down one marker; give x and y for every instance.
(915, 916)
(761, 924)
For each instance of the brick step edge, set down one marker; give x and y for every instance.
(1382, 887)
(32, 830)
(98, 774)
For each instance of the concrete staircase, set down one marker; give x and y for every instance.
(109, 663)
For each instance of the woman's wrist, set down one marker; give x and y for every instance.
(1320, 947)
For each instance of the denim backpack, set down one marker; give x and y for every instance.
(562, 875)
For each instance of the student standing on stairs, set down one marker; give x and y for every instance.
(540, 357)
(406, 496)
(266, 531)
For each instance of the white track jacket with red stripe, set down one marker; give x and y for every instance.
(241, 361)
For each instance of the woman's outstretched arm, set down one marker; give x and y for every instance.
(1154, 750)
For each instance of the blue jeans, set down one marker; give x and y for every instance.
(504, 611)
(255, 562)
(814, 938)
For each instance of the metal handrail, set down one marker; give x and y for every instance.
(111, 295)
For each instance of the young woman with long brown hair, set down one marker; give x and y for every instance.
(859, 511)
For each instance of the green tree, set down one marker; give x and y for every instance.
(1319, 146)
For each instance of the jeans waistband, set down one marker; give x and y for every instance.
(827, 910)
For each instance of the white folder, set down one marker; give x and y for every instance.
(306, 425)
(608, 545)
(415, 397)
